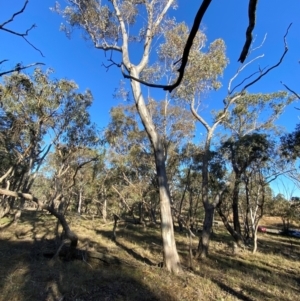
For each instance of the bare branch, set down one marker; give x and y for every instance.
(276, 175)
(261, 44)
(121, 197)
(15, 14)
(79, 167)
(239, 71)
(27, 196)
(6, 174)
(292, 91)
(274, 66)
(141, 81)
(23, 35)
(18, 68)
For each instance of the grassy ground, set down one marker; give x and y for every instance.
(26, 274)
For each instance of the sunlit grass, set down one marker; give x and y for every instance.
(26, 274)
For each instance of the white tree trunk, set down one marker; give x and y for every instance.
(104, 212)
(79, 202)
(171, 257)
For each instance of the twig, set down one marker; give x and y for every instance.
(239, 71)
(274, 66)
(292, 91)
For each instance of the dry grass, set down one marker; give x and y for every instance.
(26, 274)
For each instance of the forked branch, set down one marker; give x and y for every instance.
(275, 65)
(24, 34)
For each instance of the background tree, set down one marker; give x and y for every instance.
(131, 154)
(43, 108)
(247, 148)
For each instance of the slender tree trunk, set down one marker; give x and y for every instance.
(171, 257)
(235, 203)
(104, 210)
(255, 239)
(141, 213)
(206, 231)
(208, 207)
(79, 202)
(247, 227)
(236, 236)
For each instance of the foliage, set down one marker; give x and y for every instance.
(290, 144)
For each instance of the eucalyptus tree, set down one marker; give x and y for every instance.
(248, 156)
(250, 114)
(287, 209)
(44, 108)
(290, 144)
(131, 155)
(208, 67)
(201, 75)
(130, 159)
(113, 26)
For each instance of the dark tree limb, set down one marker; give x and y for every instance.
(19, 68)
(292, 91)
(197, 21)
(275, 65)
(22, 35)
(251, 15)
(15, 14)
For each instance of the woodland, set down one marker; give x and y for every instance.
(145, 209)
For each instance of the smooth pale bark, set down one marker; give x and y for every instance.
(209, 205)
(104, 210)
(255, 239)
(79, 202)
(171, 257)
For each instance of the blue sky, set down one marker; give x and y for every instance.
(77, 59)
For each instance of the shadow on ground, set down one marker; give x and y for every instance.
(27, 275)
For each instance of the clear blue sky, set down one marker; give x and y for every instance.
(77, 59)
